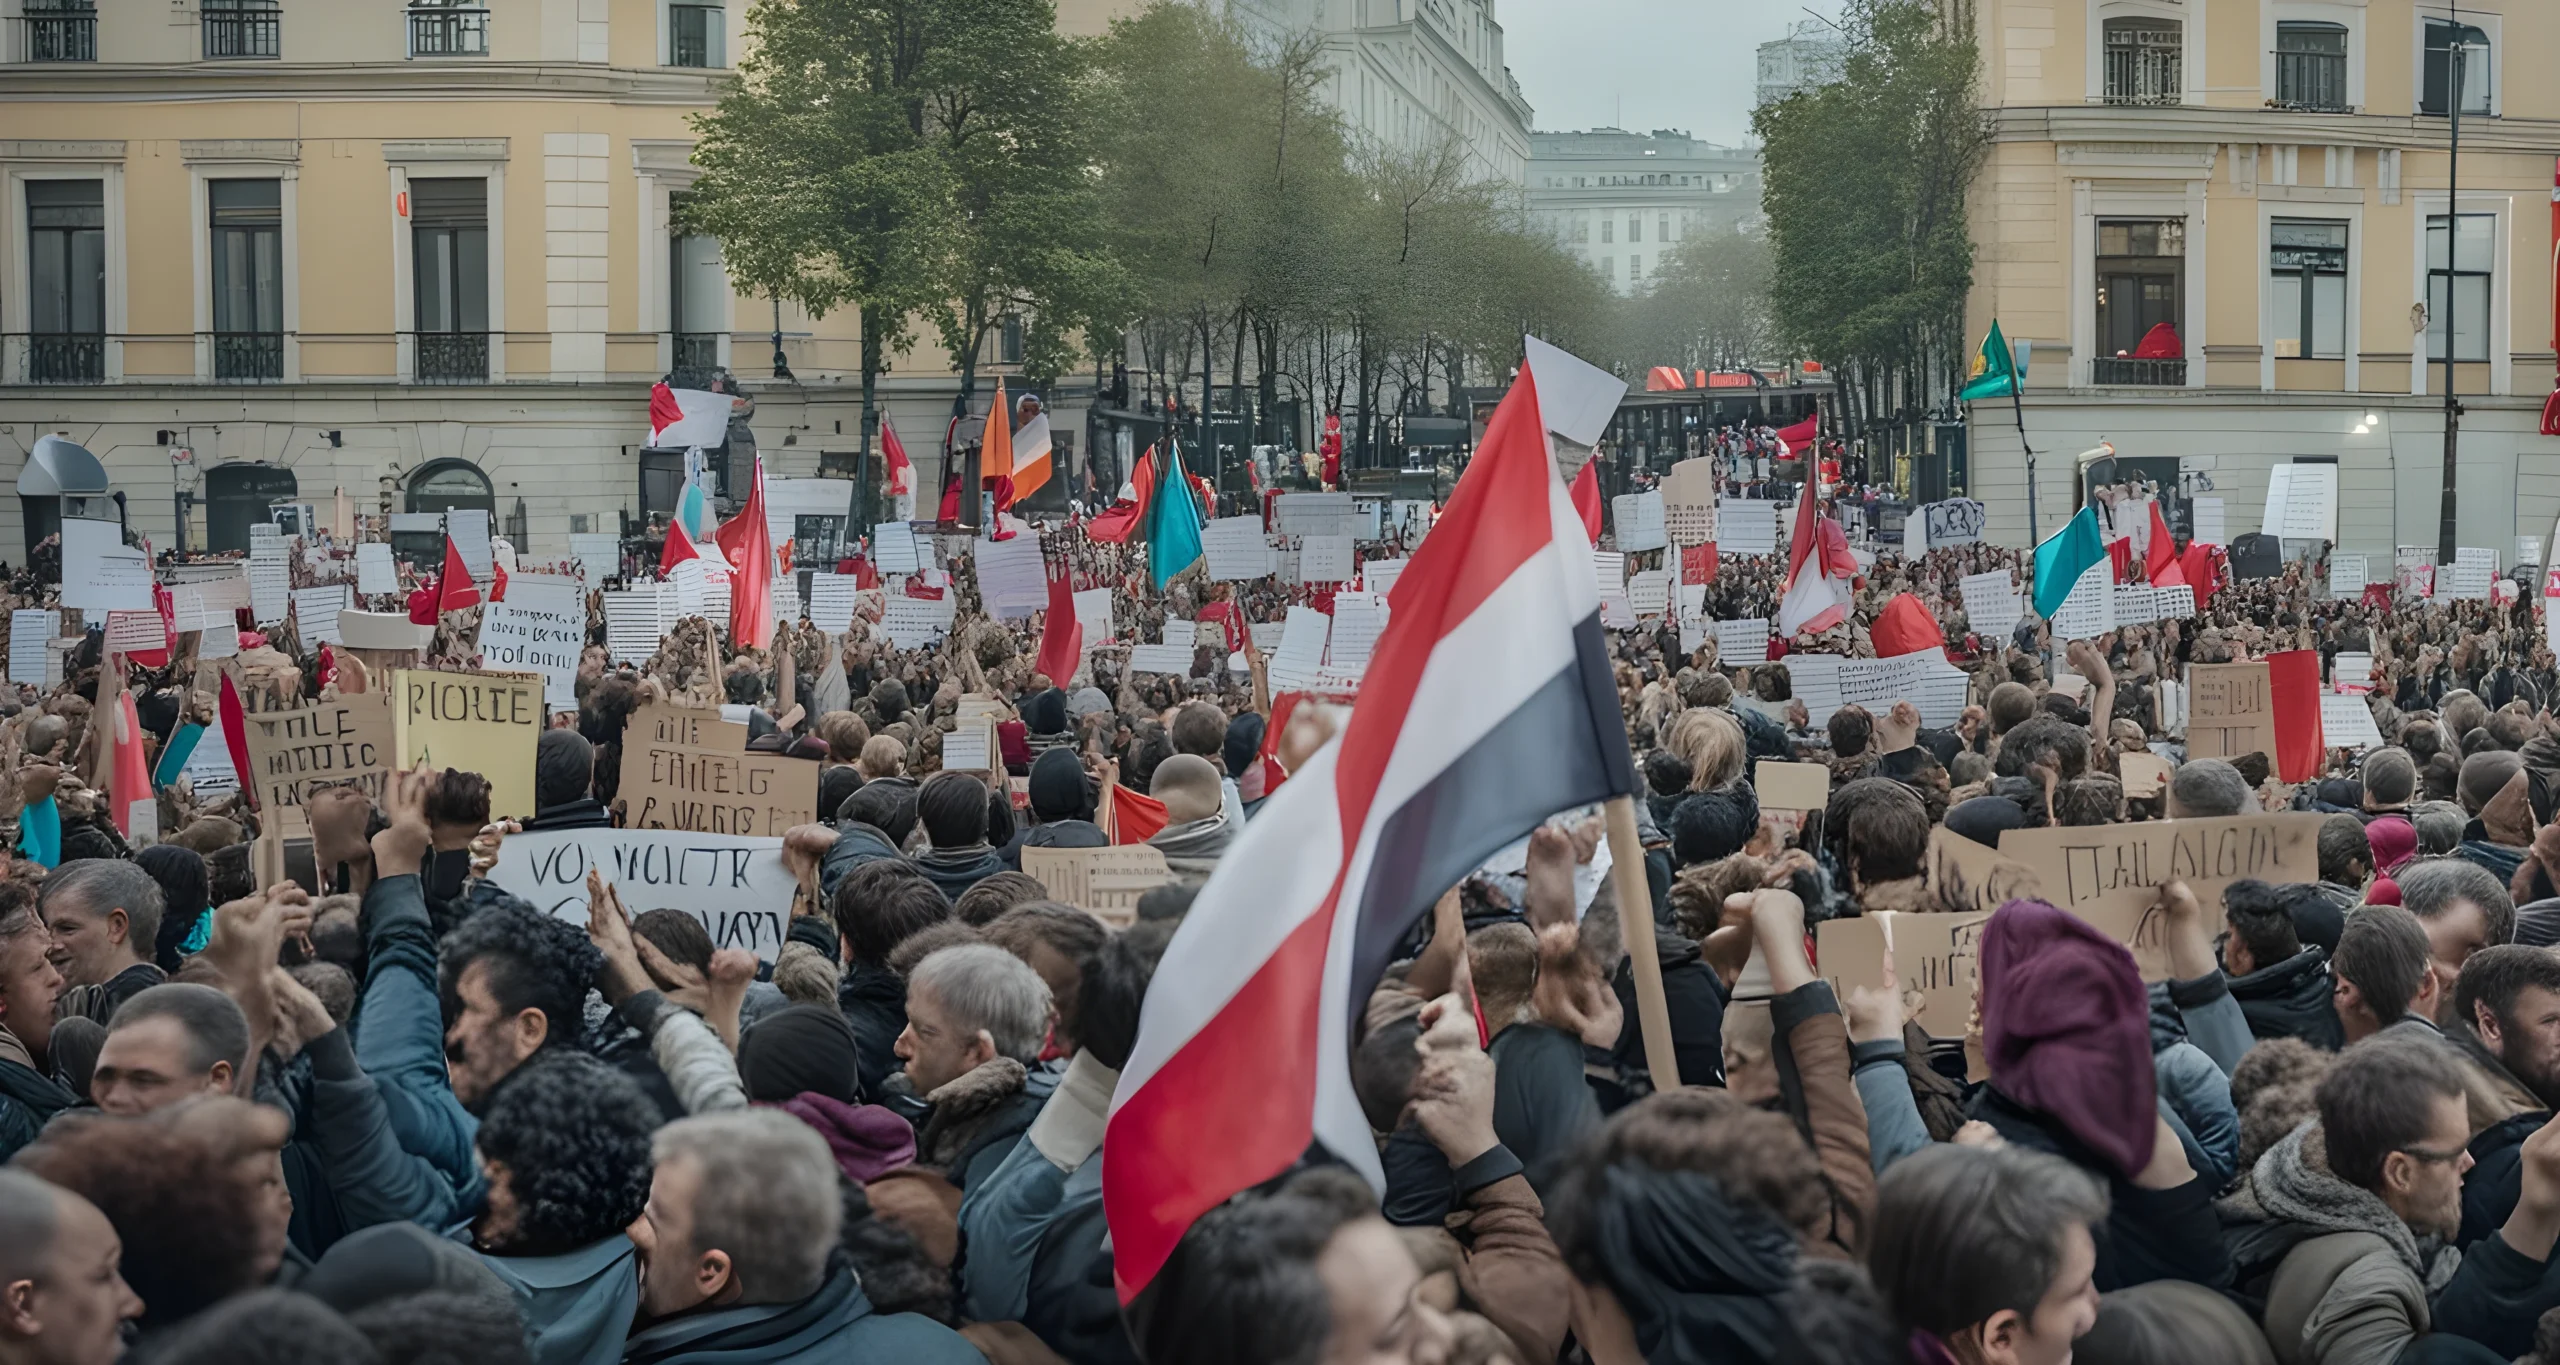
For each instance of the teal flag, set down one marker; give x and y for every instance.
(2061, 560)
(1994, 373)
(175, 753)
(1173, 522)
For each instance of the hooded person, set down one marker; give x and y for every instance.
(1061, 809)
(1046, 725)
(1196, 829)
(872, 823)
(1243, 757)
(802, 1060)
(564, 767)
(1984, 818)
(2395, 843)
(2066, 1032)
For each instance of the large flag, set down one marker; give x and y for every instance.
(1171, 523)
(1801, 436)
(1819, 567)
(678, 549)
(1586, 497)
(454, 588)
(995, 449)
(902, 471)
(1030, 455)
(2160, 557)
(1061, 634)
(748, 543)
(679, 418)
(2070, 553)
(1487, 707)
(1995, 373)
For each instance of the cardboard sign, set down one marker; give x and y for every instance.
(483, 723)
(1103, 882)
(1792, 786)
(738, 887)
(1689, 502)
(970, 748)
(291, 752)
(2143, 774)
(540, 628)
(709, 791)
(2230, 711)
(1964, 876)
(2111, 875)
(662, 724)
(1936, 960)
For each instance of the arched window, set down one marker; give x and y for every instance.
(441, 486)
(239, 496)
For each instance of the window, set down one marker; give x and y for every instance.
(1635, 271)
(449, 263)
(2141, 301)
(67, 281)
(242, 28)
(448, 28)
(697, 35)
(1662, 228)
(2311, 66)
(61, 30)
(1581, 229)
(248, 278)
(2444, 39)
(1608, 229)
(1009, 340)
(1609, 269)
(2307, 263)
(1635, 228)
(2142, 61)
(695, 288)
(2458, 292)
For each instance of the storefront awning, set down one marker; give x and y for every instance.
(58, 467)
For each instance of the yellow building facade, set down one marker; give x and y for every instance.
(253, 250)
(2264, 190)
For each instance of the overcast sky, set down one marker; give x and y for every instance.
(1644, 64)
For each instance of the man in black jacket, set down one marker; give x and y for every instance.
(2282, 986)
(29, 985)
(2507, 1002)
(564, 768)
(104, 916)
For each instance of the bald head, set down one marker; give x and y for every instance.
(30, 1212)
(1188, 786)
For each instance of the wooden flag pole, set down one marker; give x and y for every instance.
(1635, 928)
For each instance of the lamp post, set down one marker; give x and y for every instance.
(2458, 47)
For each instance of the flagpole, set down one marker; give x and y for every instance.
(2017, 404)
(1635, 930)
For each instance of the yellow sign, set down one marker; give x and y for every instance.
(485, 723)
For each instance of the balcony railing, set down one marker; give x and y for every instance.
(248, 357)
(2143, 75)
(697, 359)
(453, 357)
(437, 31)
(243, 31)
(2312, 81)
(2167, 374)
(63, 358)
(58, 33)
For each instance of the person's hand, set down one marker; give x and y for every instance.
(1976, 1133)
(2535, 1224)
(484, 845)
(400, 848)
(1549, 877)
(1570, 994)
(609, 928)
(300, 1017)
(338, 819)
(732, 971)
(1875, 1012)
(1777, 926)
(1453, 1087)
(1898, 729)
(2185, 933)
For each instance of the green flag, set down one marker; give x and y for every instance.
(2061, 560)
(1994, 375)
(1172, 529)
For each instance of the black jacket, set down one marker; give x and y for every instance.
(874, 1002)
(856, 843)
(28, 1101)
(956, 870)
(1694, 996)
(2150, 1234)
(2290, 999)
(584, 813)
(2496, 1179)
(1053, 834)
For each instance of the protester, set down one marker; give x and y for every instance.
(63, 1298)
(104, 916)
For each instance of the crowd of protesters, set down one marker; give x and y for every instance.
(400, 1115)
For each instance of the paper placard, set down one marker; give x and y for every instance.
(599, 556)
(414, 523)
(540, 628)
(2346, 722)
(1173, 660)
(2089, 611)
(2230, 711)
(2467, 578)
(1638, 519)
(1746, 526)
(2351, 672)
(2176, 602)
(130, 632)
(478, 722)
(1991, 603)
(315, 613)
(1941, 691)
(1312, 514)
(376, 572)
(29, 630)
(2302, 502)
(1815, 680)
(2111, 875)
(914, 622)
(1649, 593)
(1957, 521)
(970, 749)
(1742, 642)
(333, 743)
(1689, 502)
(1380, 575)
(1936, 957)
(2143, 774)
(1266, 635)
(469, 529)
(738, 887)
(2209, 522)
(1235, 549)
(2346, 577)
(1359, 618)
(714, 791)
(1093, 615)
(1103, 882)
(1301, 653)
(1182, 634)
(632, 625)
(1792, 786)
(1326, 559)
(1013, 582)
(894, 548)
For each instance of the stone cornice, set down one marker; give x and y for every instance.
(2203, 124)
(194, 82)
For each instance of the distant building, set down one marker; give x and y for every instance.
(1622, 200)
(1811, 54)
(1405, 73)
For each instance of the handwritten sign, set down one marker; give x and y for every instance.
(2230, 711)
(1792, 786)
(1936, 960)
(1639, 519)
(2144, 775)
(2111, 875)
(1689, 502)
(1957, 521)
(1991, 603)
(1103, 882)
(1236, 549)
(540, 628)
(1961, 875)
(292, 752)
(737, 886)
(483, 723)
(709, 791)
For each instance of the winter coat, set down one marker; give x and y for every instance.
(1054, 834)
(2290, 999)
(874, 1002)
(835, 1324)
(584, 813)
(1542, 1107)
(975, 1120)
(955, 870)
(856, 843)
(2150, 1234)
(578, 1305)
(28, 1098)
(399, 1035)
(867, 1140)
(2354, 1285)
(2495, 1181)
(1004, 1216)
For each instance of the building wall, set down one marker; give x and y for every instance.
(1580, 181)
(1406, 73)
(1810, 54)
(2219, 155)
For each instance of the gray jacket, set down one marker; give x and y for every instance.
(2360, 1285)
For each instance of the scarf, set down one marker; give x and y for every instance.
(2293, 1184)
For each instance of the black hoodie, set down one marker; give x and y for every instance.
(2291, 1000)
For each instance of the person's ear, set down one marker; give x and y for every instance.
(982, 1049)
(119, 927)
(18, 1308)
(713, 1274)
(2399, 1172)
(2002, 1337)
(2485, 1020)
(532, 1029)
(220, 1076)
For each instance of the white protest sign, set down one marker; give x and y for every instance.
(1093, 615)
(540, 628)
(1380, 575)
(1301, 653)
(1314, 514)
(1172, 659)
(376, 572)
(469, 527)
(1235, 549)
(894, 548)
(736, 885)
(2346, 722)
(1012, 581)
(914, 622)
(2089, 611)
(1747, 527)
(1638, 519)
(2346, 577)
(315, 612)
(2302, 502)
(29, 630)
(1327, 559)
(831, 601)
(634, 620)
(1991, 603)
(1359, 618)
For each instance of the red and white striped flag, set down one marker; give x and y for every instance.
(1487, 707)
(1819, 567)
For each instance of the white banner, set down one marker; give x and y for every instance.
(736, 885)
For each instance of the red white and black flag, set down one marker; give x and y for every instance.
(1487, 707)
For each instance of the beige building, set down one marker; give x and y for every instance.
(252, 250)
(2264, 186)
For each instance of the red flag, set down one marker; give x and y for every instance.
(1133, 816)
(2120, 551)
(2201, 572)
(1906, 627)
(2293, 694)
(497, 581)
(1061, 635)
(679, 548)
(454, 589)
(1800, 435)
(664, 410)
(902, 471)
(748, 543)
(235, 735)
(2160, 560)
(1698, 563)
(1586, 497)
(132, 777)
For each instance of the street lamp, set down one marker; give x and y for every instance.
(2458, 47)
